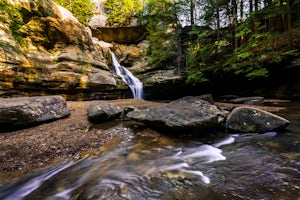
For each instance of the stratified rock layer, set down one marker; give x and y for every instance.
(54, 53)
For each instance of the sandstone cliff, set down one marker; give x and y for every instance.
(44, 49)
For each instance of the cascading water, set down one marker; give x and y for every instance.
(134, 83)
(127, 171)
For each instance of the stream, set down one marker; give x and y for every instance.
(211, 167)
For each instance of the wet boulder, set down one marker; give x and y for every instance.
(101, 111)
(187, 115)
(245, 119)
(27, 111)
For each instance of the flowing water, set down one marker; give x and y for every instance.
(134, 83)
(144, 166)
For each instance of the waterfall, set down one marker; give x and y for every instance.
(134, 83)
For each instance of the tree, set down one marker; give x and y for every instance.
(120, 11)
(81, 9)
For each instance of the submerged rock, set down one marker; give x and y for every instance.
(245, 119)
(27, 111)
(102, 111)
(249, 100)
(188, 114)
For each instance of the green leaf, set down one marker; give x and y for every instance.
(244, 55)
(257, 73)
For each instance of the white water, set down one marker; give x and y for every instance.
(33, 184)
(134, 83)
(127, 168)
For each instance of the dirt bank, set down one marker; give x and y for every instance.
(34, 147)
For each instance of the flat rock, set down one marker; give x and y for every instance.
(246, 120)
(188, 114)
(27, 111)
(102, 111)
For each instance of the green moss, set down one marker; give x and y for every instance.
(12, 16)
(18, 78)
(83, 70)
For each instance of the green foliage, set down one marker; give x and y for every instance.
(162, 34)
(279, 57)
(13, 17)
(81, 9)
(205, 57)
(121, 11)
(245, 60)
(293, 52)
(253, 74)
(196, 77)
(160, 8)
(18, 78)
(158, 53)
(83, 70)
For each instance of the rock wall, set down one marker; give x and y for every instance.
(122, 35)
(53, 54)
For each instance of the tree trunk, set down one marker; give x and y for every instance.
(256, 5)
(289, 24)
(218, 22)
(284, 21)
(192, 10)
(234, 22)
(251, 22)
(242, 16)
(241, 10)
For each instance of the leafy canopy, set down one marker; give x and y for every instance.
(120, 11)
(82, 9)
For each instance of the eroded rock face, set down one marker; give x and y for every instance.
(122, 35)
(27, 111)
(188, 114)
(56, 54)
(102, 111)
(245, 120)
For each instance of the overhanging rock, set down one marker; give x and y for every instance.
(121, 35)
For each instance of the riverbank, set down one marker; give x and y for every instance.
(36, 146)
(66, 138)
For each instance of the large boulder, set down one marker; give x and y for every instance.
(102, 111)
(27, 111)
(245, 119)
(188, 114)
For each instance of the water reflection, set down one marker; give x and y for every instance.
(248, 166)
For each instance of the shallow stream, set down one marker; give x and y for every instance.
(137, 166)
